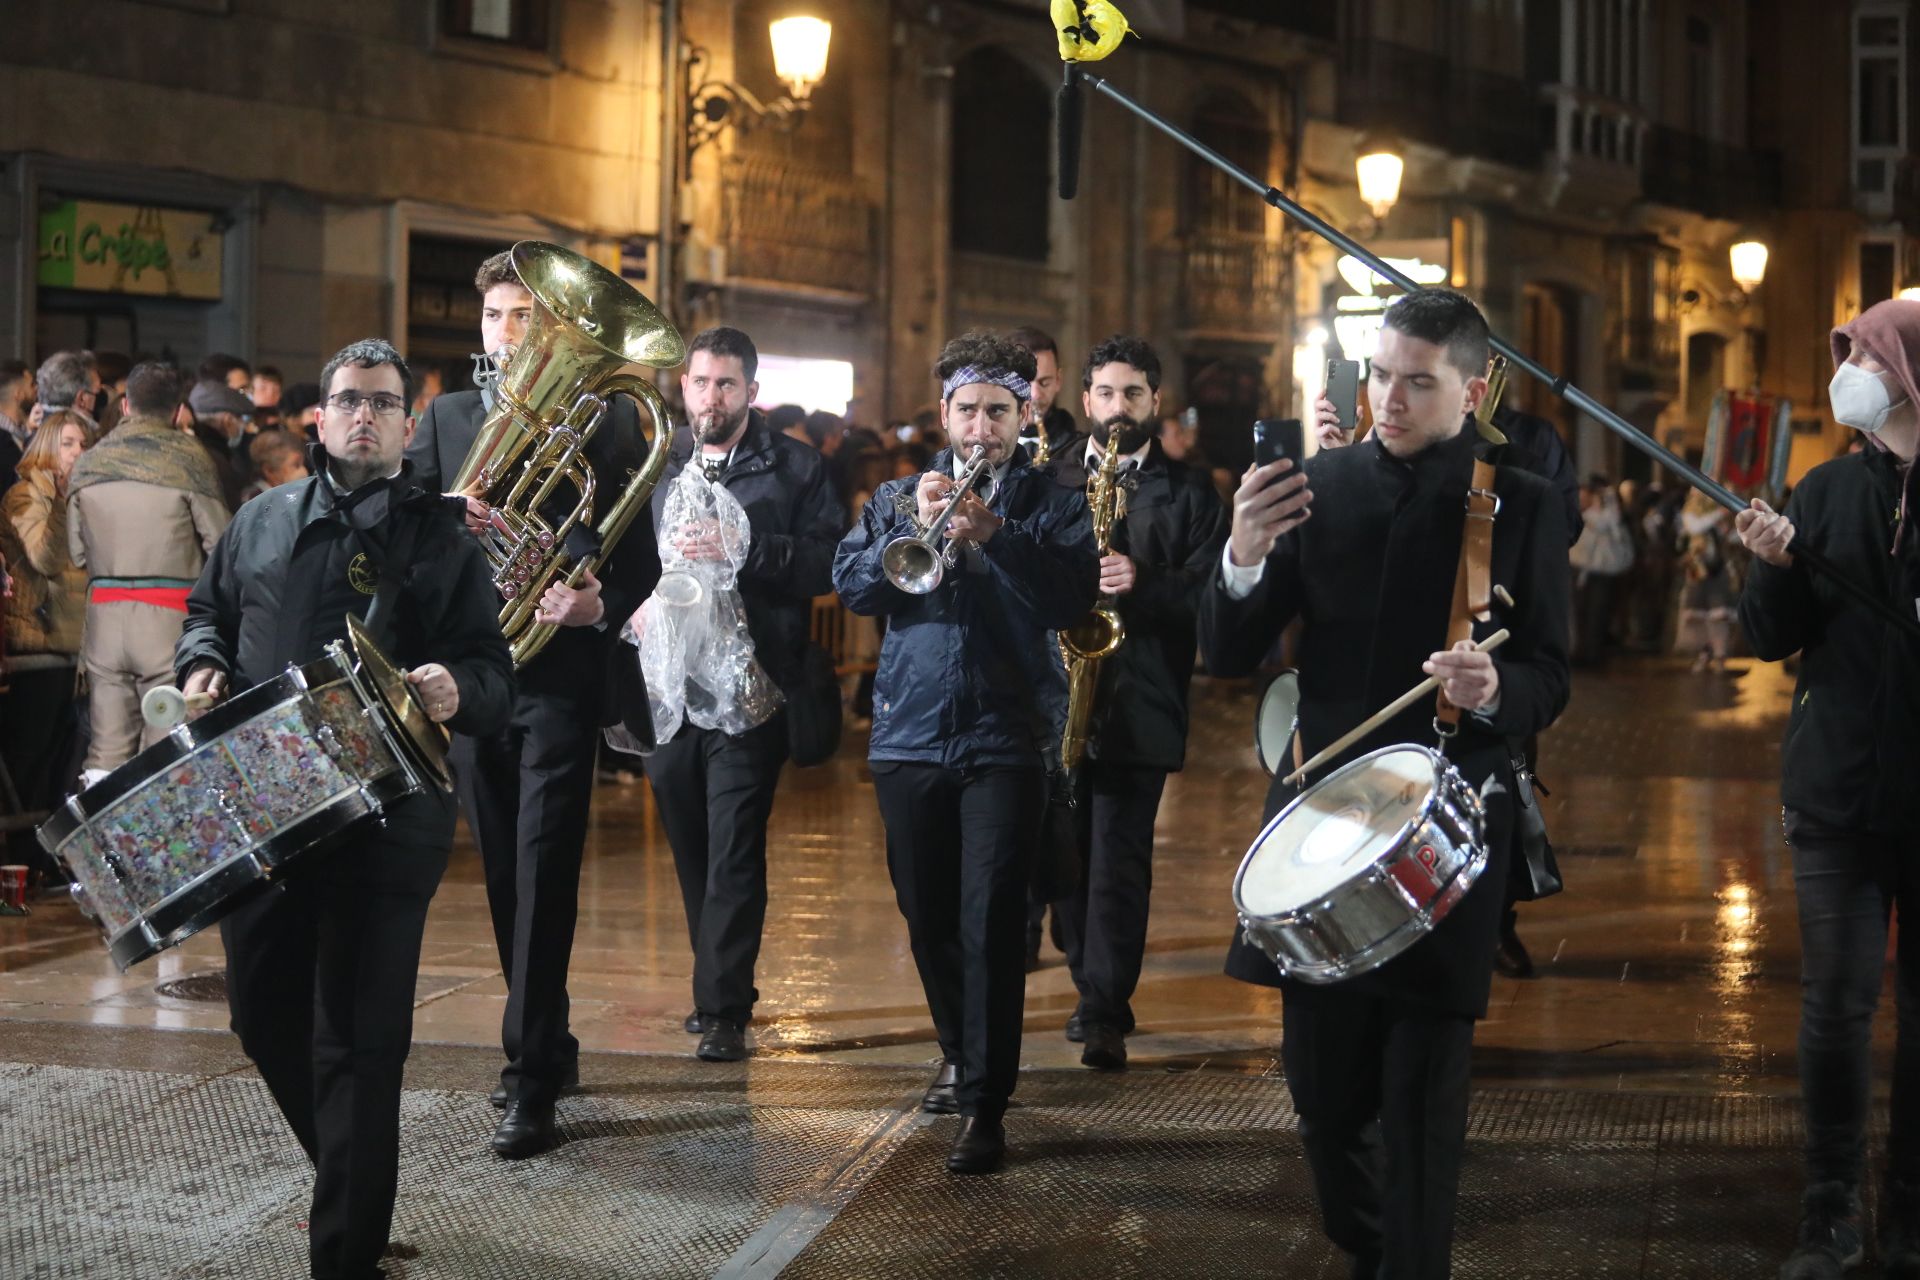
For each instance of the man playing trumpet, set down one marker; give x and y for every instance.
(968, 708)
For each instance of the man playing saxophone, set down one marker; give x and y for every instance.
(1167, 533)
(967, 709)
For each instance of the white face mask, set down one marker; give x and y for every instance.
(1860, 399)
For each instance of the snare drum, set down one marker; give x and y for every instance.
(1361, 865)
(187, 830)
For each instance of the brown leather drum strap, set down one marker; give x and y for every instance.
(1472, 581)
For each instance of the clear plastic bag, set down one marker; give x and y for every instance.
(695, 651)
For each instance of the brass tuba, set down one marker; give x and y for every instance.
(591, 336)
(1097, 636)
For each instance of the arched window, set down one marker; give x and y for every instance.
(1211, 202)
(1002, 157)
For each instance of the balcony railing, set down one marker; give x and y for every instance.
(1690, 172)
(1426, 98)
(1232, 284)
(785, 224)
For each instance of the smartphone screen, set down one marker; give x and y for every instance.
(1277, 438)
(1343, 389)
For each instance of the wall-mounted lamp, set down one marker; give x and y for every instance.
(1748, 258)
(1379, 165)
(799, 59)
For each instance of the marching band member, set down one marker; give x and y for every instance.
(1378, 1064)
(527, 786)
(1164, 550)
(968, 706)
(320, 972)
(715, 788)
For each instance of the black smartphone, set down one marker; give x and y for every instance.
(1277, 438)
(1343, 389)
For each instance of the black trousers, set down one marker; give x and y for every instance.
(1104, 923)
(1380, 1086)
(959, 842)
(715, 795)
(38, 723)
(526, 790)
(320, 984)
(1846, 883)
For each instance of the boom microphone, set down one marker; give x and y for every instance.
(1066, 116)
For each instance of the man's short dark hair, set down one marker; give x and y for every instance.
(496, 270)
(270, 446)
(368, 353)
(988, 352)
(270, 373)
(11, 371)
(782, 416)
(217, 366)
(113, 366)
(63, 376)
(721, 340)
(1035, 340)
(155, 388)
(1446, 318)
(1123, 348)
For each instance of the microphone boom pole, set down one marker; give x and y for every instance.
(1556, 383)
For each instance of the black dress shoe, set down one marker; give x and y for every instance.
(724, 1041)
(980, 1147)
(941, 1096)
(569, 1084)
(526, 1130)
(1076, 1027)
(695, 1024)
(1510, 956)
(1106, 1049)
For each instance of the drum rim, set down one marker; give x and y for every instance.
(273, 857)
(1403, 936)
(1260, 714)
(292, 684)
(1421, 815)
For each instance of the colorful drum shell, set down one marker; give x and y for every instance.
(1351, 927)
(184, 832)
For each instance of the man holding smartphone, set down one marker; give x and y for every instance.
(1378, 1065)
(1163, 551)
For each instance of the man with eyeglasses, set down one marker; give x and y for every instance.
(968, 706)
(526, 788)
(320, 973)
(1164, 546)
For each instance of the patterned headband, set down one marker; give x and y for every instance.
(970, 374)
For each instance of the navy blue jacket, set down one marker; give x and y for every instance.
(968, 673)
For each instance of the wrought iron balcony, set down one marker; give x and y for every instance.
(789, 225)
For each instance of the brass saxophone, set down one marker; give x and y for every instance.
(1097, 636)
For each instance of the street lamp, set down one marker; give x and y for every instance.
(1379, 166)
(1748, 258)
(799, 59)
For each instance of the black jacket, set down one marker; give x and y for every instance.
(1173, 527)
(574, 660)
(969, 675)
(1851, 758)
(1371, 577)
(796, 518)
(1534, 445)
(1062, 432)
(299, 558)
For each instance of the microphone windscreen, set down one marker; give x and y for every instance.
(1066, 115)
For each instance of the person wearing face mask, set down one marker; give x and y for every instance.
(526, 788)
(968, 706)
(715, 789)
(1847, 769)
(1365, 549)
(1164, 548)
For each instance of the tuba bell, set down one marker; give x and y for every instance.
(591, 337)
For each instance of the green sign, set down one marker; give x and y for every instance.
(122, 248)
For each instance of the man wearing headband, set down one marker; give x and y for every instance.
(1847, 769)
(968, 707)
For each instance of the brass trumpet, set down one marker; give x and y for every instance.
(591, 338)
(916, 562)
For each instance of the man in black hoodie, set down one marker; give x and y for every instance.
(320, 973)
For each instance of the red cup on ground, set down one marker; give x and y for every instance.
(13, 886)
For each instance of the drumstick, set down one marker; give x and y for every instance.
(1387, 713)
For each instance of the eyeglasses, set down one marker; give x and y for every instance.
(384, 404)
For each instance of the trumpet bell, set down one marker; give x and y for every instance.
(912, 565)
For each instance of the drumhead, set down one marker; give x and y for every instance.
(1273, 725)
(1335, 830)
